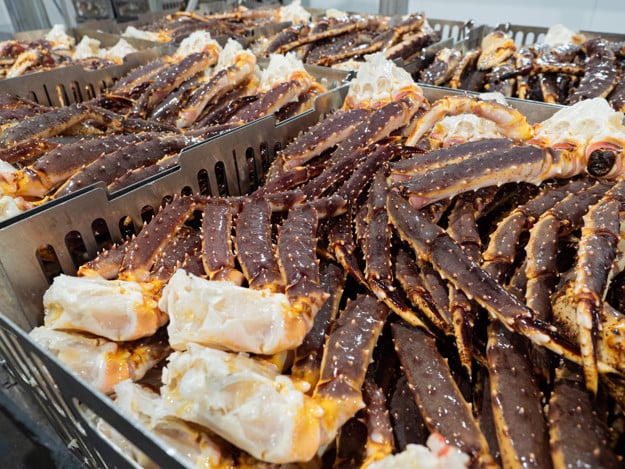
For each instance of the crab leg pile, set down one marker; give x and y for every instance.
(344, 41)
(564, 68)
(396, 280)
(143, 122)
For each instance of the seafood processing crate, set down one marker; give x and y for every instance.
(526, 35)
(73, 84)
(78, 226)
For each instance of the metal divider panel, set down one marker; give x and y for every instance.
(81, 408)
(71, 84)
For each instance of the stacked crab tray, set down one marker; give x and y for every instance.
(44, 50)
(470, 264)
(552, 65)
(120, 125)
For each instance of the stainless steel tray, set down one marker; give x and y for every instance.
(524, 35)
(231, 164)
(226, 165)
(73, 84)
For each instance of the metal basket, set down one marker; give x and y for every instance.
(231, 164)
(527, 35)
(75, 228)
(73, 84)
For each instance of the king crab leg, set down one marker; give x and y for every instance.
(218, 258)
(171, 78)
(329, 132)
(600, 234)
(521, 428)
(254, 247)
(380, 441)
(307, 360)
(433, 245)
(577, 436)
(429, 376)
(376, 247)
(145, 248)
(601, 74)
(499, 255)
(462, 227)
(116, 164)
(55, 167)
(412, 282)
(541, 268)
(298, 261)
(509, 121)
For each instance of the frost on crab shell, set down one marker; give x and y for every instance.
(379, 81)
(229, 317)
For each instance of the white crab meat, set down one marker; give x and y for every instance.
(120, 50)
(436, 455)
(379, 81)
(100, 362)
(197, 41)
(132, 31)
(582, 125)
(559, 34)
(245, 402)
(293, 12)
(11, 206)
(231, 53)
(453, 130)
(146, 408)
(283, 68)
(59, 38)
(116, 309)
(229, 317)
(86, 48)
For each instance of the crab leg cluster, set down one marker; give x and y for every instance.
(393, 262)
(143, 122)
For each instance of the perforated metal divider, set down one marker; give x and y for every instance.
(73, 84)
(527, 35)
(230, 165)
